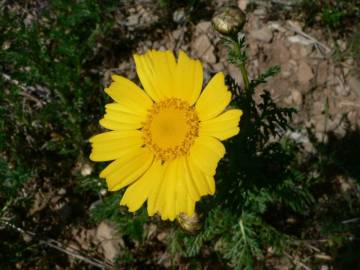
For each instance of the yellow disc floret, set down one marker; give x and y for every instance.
(170, 128)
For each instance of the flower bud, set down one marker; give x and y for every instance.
(229, 20)
(190, 224)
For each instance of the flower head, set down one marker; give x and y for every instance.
(165, 139)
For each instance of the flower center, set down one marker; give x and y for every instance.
(170, 128)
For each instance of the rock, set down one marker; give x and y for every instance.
(253, 48)
(305, 51)
(322, 73)
(276, 26)
(264, 34)
(304, 73)
(294, 25)
(110, 240)
(218, 67)
(86, 169)
(235, 73)
(354, 84)
(300, 40)
(342, 89)
(83, 237)
(179, 15)
(62, 191)
(261, 12)
(178, 33)
(41, 200)
(203, 28)
(203, 48)
(161, 237)
(296, 98)
(242, 4)
(299, 136)
(280, 52)
(27, 237)
(132, 20)
(103, 192)
(6, 45)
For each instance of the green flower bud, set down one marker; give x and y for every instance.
(229, 20)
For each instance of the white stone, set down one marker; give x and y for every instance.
(300, 40)
(86, 169)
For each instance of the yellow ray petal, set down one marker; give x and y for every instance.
(117, 119)
(171, 196)
(116, 125)
(189, 182)
(154, 193)
(171, 177)
(118, 163)
(200, 180)
(206, 153)
(214, 99)
(181, 197)
(188, 78)
(222, 127)
(114, 144)
(137, 193)
(129, 96)
(128, 169)
(190, 206)
(114, 135)
(156, 73)
(165, 199)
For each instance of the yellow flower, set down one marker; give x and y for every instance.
(165, 140)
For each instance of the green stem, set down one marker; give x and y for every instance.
(245, 76)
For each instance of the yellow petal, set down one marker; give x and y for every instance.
(114, 144)
(189, 182)
(116, 125)
(181, 197)
(190, 206)
(214, 99)
(188, 78)
(171, 178)
(156, 72)
(127, 169)
(129, 96)
(117, 119)
(165, 201)
(137, 193)
(203, 186)
(155, 193)
(171, 197)
(222, 127)
(206, 153)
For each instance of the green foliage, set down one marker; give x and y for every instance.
(49, 94)
(172, 3)
(336, 14)
(49, 99)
